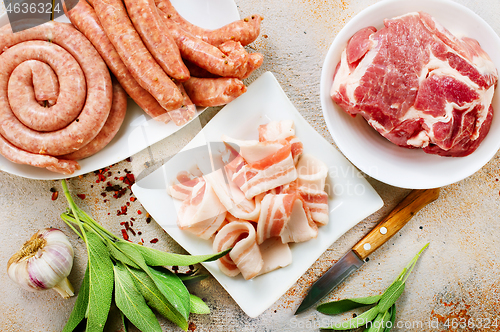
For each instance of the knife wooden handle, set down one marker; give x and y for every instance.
(395, 220)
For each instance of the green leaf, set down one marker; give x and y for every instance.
(391, 295)
(355, 322)
(393, 318)
(100, 283)
(124, 322)
(155, 299)
(81, 304)
(379, 323)
(198, 306)
(338, 307)
(119, 255)
(133, 255)
(173, 289)
(130, 301)
(191, 278)
(155, 257)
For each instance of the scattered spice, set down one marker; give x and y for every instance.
(124, 234)
(81, 196)
(153, 240)
(55, 194)
(133, 199)
(139, 212)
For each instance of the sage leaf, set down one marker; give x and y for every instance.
(355, 322)
(81, 305)
(393, 318)
(391, 295)
(124, 322)
(380, 322)
(130, 250)
(155, 299)
(119, 255)
(192, 278)
(100, 283)
(173, 289)
(338, 307)
(130, 301)
(198, 306)
(155, 257)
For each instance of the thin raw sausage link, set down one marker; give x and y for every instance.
(213, 91)
(22, 85)
(99, 90)
(245, 31)
(205, 55)
(148, 24)
(141, 64)
(53, 164)
(85, 19)
(110, 129)
(186, 112)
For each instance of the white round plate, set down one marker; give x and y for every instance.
(375, 155)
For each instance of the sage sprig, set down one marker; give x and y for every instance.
(379, 318)
(134, 274)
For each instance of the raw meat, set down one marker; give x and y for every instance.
(418, 85)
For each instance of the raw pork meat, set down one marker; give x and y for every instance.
(418, 85)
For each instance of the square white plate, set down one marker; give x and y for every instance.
(138, 130)
(351, 197)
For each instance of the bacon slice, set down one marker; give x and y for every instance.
(300, 227)
(282, 130)
(183, 189)
(275, 255)
(245, 257)
(275, 169)
(201, 213)
(311, 178)
(274, 215)
(232, 197)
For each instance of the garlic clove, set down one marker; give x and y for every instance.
(44, 262)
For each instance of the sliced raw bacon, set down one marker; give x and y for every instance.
(232, 197)
(311, 178)
(274, 215)
(273, 170)
(183, 189)
(275, 255)
(282, 130)
(245, 257)
(300, 226)
(201, 213)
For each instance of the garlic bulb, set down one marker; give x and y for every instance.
(44, 262)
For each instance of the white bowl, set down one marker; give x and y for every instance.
(375, 155)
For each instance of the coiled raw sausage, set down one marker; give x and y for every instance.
(27, 45)
(213, 91)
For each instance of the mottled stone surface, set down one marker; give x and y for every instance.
(458, 277)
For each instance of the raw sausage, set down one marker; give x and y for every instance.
(134, 54)
(213, 91)
(45, 82)
(110, 129)
(186, 112)
(53, 164)
(206, 56)
(245, 31)
(85, 19)
(148, 24)
(99, 93)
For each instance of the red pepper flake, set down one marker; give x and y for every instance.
(192, 327)
(133, 199)
(139, 212)
(132, 231)
(128, 159)
(128, 203)
(55, 194)
(103, 194)
(131, 223)
(153, 240)
(133, 219)
(109, 173)
(148, 220)
(142, 240)
(123, 211)
(139, 233)
(124, 234)
(81, 196)
(122, 223)
(175, 268)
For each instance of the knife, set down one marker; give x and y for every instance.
(355, 257)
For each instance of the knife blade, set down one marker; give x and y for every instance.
(380, 234)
